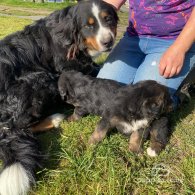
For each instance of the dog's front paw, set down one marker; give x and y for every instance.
(92, 140)
(73, 118)
(56, 119)
(151, 152)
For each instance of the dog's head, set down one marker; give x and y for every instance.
(153, 99)
(89, 26)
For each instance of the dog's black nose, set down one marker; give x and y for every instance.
(107, 42)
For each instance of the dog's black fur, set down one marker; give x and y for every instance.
(131, 109)
(31, 61)
(159, 134)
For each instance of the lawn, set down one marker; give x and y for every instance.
(15, 24)
(28, 4)
(72, 167)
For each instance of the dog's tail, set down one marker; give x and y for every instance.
(20, 156)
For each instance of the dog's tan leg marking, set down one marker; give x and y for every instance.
(135, 142)
(97, 136)
(100, 132)
(50, 122)
(44, 125)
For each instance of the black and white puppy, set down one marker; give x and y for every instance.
(131, 109)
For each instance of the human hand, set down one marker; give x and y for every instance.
(171, 61)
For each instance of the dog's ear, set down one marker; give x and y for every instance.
(62, 87)
(65, 88)
(65, 32)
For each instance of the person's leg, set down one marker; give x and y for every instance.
(149, 69)
(122, 63)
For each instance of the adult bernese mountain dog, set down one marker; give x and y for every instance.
(134, 110)
(31, 61)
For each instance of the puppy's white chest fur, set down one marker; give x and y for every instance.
(134, 125)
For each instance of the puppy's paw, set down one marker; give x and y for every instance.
(56, 119)
(151, 152)
(135, 149)
(73, 118)
(92, 141)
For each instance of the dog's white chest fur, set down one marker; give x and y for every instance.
(134, 125)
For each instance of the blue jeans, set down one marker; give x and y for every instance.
(137, 58)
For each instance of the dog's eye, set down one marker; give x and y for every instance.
(88, 26)
(108, 19)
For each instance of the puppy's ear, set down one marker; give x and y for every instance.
(65, 88)
(65, 32)
(62, 87)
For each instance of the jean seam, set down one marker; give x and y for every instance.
(145, 46)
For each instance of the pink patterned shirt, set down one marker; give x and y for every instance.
(158, 18)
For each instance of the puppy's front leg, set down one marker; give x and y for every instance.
(137, 139)
(78, 113)
(73, 117)
(100, 131)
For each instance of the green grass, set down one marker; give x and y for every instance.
(11, 24)
(27, 4)
(109, 168)
(74, 168)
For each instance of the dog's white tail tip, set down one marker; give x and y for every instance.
(14, 180)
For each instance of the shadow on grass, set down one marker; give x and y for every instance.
(50, 145)
(182, 112)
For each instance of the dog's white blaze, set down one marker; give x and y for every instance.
(134, 125)
(56, 119)
(103, 32)
(14, 180)
(151, 152)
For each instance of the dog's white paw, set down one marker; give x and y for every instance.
(56, 119)
(151, 152)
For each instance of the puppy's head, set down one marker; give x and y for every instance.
(71, 85)
(89, 26)
(155, 100)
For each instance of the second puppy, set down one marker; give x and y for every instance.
(131, 109)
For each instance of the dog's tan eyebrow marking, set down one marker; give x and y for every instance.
(103, 14)
(91, 20)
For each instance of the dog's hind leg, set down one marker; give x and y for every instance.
(100, 131)
(50, 122)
